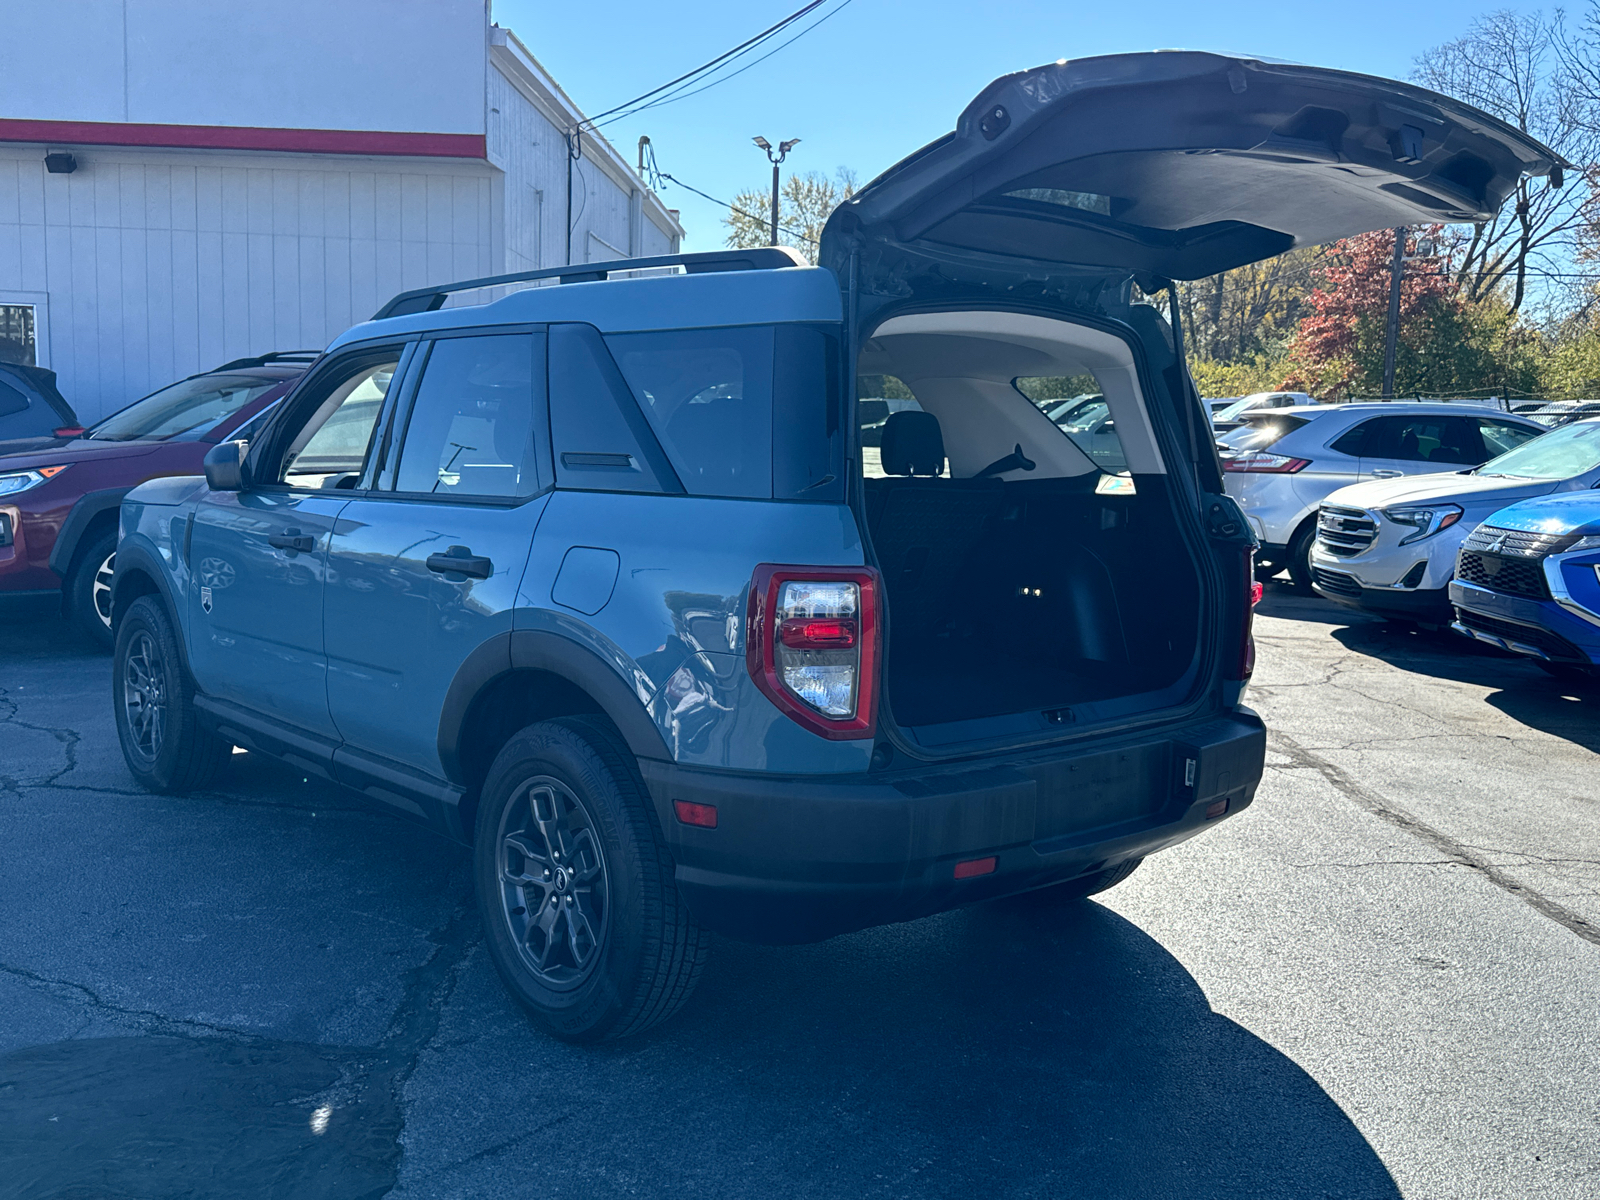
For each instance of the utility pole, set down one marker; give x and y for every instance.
(781, 154)
(1391, 333)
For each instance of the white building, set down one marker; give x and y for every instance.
(255, 177)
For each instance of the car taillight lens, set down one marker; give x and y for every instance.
(1261, 463)
(812, 645)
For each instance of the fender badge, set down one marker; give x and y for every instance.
(205, 599)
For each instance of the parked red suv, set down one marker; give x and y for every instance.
(59, 502)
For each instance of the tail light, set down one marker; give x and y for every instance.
(811, 644)
(1259, 462)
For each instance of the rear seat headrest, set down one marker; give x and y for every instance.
(912, 444)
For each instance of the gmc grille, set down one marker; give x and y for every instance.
(1345, 531)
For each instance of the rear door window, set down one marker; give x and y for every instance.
(474, 421)
(602, 440)
(708, 396)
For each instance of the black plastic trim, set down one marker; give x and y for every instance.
(89, 506)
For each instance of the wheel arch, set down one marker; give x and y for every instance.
(139, 573)
(92, 511)
(520, 677)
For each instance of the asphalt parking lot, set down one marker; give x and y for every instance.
(1381, 980)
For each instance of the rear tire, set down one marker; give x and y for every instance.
(88, 589)
(1299, 559)
(581, 912)
(153, 698)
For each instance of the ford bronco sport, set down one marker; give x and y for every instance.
(600, 578)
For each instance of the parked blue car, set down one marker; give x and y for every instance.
(1528, 580)
(604, 578)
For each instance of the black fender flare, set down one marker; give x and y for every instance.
(134, 556)
(538, 650)
(89, 506)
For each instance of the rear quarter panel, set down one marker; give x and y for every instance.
(673, 627)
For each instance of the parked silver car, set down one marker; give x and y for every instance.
(1390, 545)
(1280, 465)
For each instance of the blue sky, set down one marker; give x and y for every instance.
(883, 77)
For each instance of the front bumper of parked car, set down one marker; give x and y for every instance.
(797, 859)
(1562, 629)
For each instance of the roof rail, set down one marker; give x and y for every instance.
(261, 360)
(762, 258)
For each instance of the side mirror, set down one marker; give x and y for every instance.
(224, 465)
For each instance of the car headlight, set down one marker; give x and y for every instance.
(13, 483)
(1590, 542)
(1426, 521)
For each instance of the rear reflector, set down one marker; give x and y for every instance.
(976, 866)
(1216, 809)
(703, 815)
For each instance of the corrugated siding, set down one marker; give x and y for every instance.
(158, 265)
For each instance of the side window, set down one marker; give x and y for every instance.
(1449, 440)
(474, 422)
(1077, 408)
(329, 450)
(708, 395)
(11, 401)
(602, 441)
(248, 431)
(1354, 441)
(1500, 436)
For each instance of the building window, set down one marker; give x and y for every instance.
(18, 335)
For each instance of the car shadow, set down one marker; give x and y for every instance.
(1568, 709)
(1008, 1049)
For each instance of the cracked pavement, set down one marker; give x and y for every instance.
(1381, 980)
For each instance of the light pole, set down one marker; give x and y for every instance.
(775, 158)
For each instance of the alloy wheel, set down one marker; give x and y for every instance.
(144, 698)
(555, 894)
(100, 589)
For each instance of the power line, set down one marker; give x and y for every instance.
(680, 94)
(794, 233)
(628, 107)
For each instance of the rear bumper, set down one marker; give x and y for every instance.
(1423, 604)
(796, 859)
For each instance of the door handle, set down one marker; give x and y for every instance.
(1382, 473)
(459, 560)
(292, 539)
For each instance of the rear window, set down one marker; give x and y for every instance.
(1076, 406)
(1257, 433)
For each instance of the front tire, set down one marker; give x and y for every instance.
(582, 916)
(88, 589)
(153, 697)
(1299, 559)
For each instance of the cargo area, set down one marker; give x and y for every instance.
(1016, 500)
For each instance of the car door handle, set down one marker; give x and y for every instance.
(1386, 474)
(292, 539)
(459, 560)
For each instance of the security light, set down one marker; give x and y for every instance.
(59, 162)
(762, 142)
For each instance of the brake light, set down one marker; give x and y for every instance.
(811, 645)
(1261, 463)
(68, 431)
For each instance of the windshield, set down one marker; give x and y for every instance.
(1561, 454)
(187, 410)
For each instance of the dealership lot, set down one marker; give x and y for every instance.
(1378, 981)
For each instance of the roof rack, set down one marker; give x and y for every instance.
(261, 360)
(762, 258)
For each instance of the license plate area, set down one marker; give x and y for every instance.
(1100, 790)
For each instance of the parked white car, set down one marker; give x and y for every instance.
(1280, 465)
(1230, 415)
(1389, 545)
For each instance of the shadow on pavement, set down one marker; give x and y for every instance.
(1006, 1050)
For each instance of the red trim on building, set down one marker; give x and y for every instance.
(244, 137)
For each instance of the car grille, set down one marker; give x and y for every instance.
(1345, 531)
(1336, 582)
(1517, 543)
(1554, 645)
(1499, 573)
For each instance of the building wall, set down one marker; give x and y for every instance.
(154, 265)
(401, 65)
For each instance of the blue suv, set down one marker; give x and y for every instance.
(603, 578)
(1528, 580)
